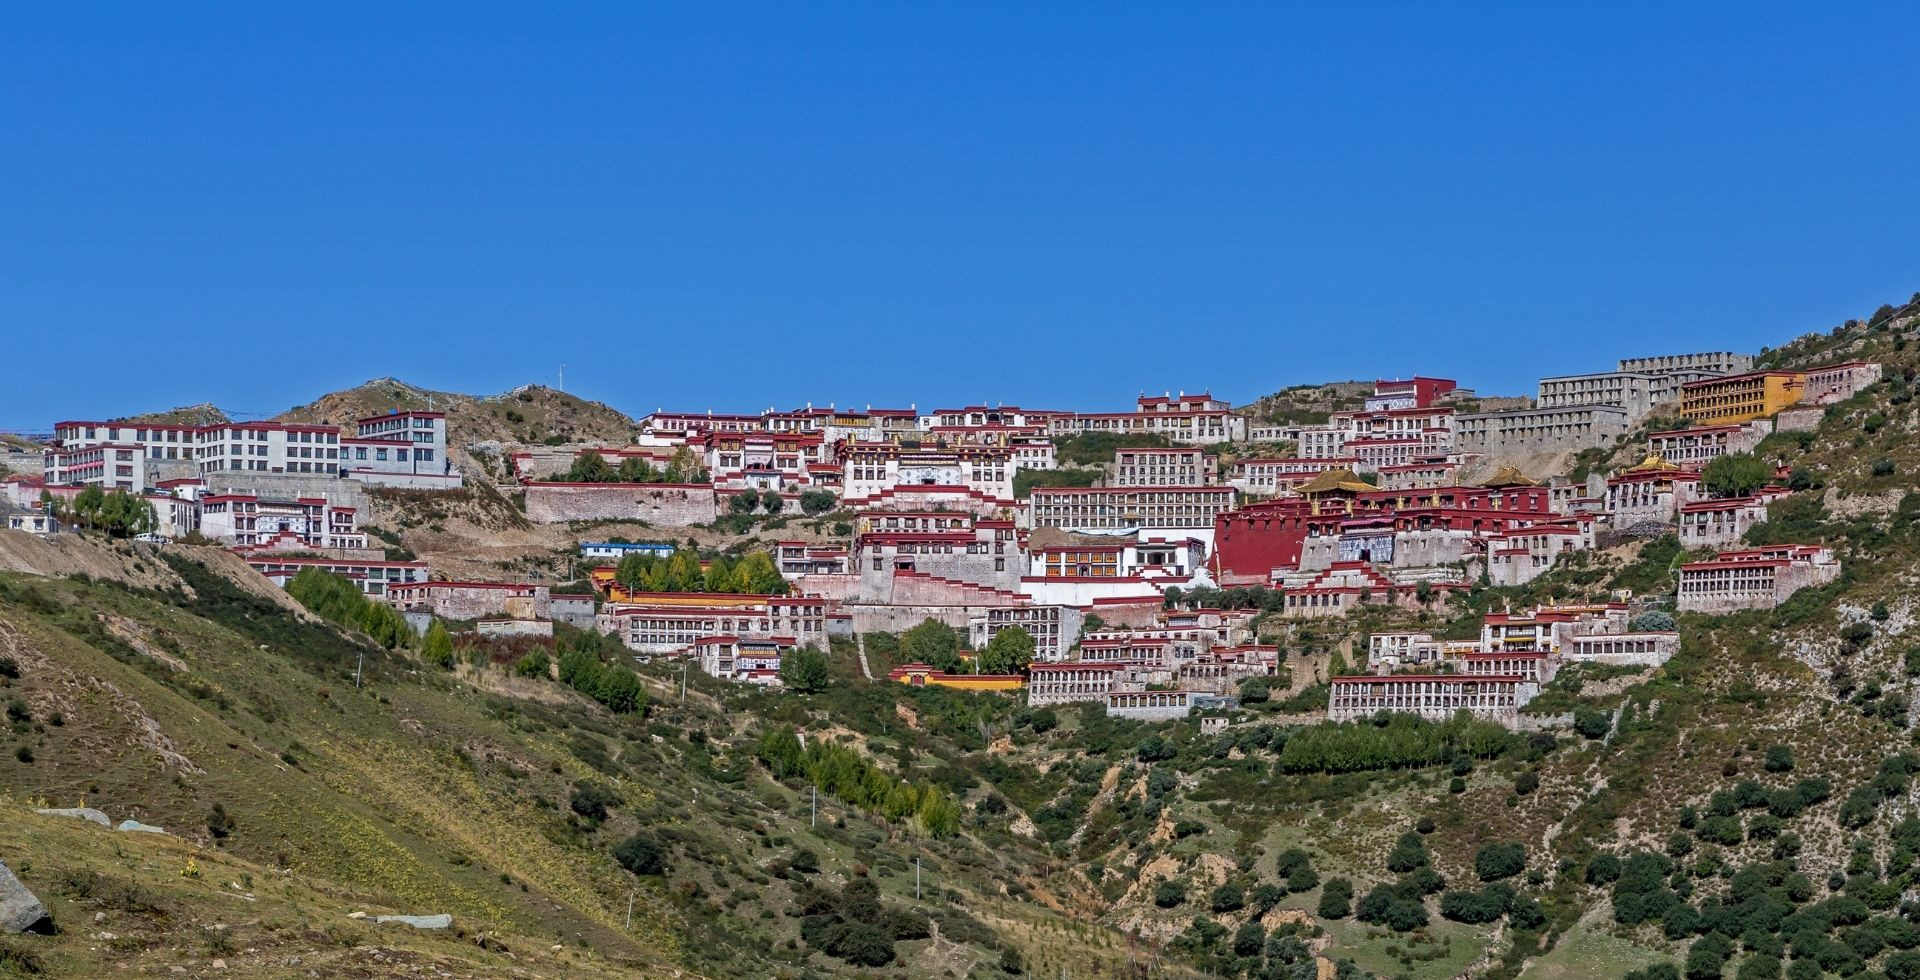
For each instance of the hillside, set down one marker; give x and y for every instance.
(531, 414)
(202, 414)
(155, 686)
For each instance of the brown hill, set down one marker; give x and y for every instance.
(529, 414)
(201, 414)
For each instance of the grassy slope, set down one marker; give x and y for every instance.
(422, 794)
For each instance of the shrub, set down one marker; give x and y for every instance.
(1169, 894)
(591, 800)
(1779, 759)
(219, 824)
(1526, 783)
(804, 671)
(9, 667)
(1336, 899)
(1494, 862)
(535, 664)
(1229, 897)
(1408, 853)
(1603, 869)
(1592, 722)
(643, 855)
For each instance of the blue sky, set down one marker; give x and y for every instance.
(739, 206)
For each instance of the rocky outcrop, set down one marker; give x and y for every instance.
(20, 910)
(79, 812)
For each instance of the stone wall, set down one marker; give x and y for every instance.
(658, 504)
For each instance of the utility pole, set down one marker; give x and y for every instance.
(563, 378)
(358, 668)
(683, 682)
(916, 877)
(813, 809)
(629, 911)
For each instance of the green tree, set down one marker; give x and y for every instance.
(817, 501)
(1336, 900)
(1008, 652)
(1493, 862)
(804, 670)
(87, 505)
(1735, 475)
(684, 573)
(641, 855)
(632, 570)
(719, 576)
(932, 643)
(756, 574)
(635, 469)
(1409, 852)
(590, 467)
(437, 648)
(744, 502)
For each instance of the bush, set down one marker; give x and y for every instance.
(1494, 862)
(535, 664)
(1169, 894)
(1652, 621)
(816, 502)
(219, 824)
(9, 667)
(1525, 783)
(591, 800)
(1229, 897)
(1592, 722)
(1336, 899)
(804, 671)
(1603, 869)
(1779, 759)
(643, 855)
(1409, 852)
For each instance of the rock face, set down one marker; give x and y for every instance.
(441, 921)
(20, 911)
(135, 825)
(81, 812)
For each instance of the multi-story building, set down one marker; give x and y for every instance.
(472, 600)
(400, 447)
(1696, 447)
(1053, 628)
(1839, 382)
(751, 661)
(1194, 419)
(1181, 467)
(1062, 683)
(672, 622)
(1721, 522)
(1633, 391)
(252, 522)
(1740, 397)
(268, 447)
(1410, 393)
(373, 577)
(1754, 578)
(873, 471)
(797, 558)
(1710, 362)
(1540, 429)
(108, 465)
(1129, 508)
(950, 546)
(1436, 697)
(1425, 474)
(1650, 492)
(1266, 476)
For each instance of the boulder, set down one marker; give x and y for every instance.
(81, 812)
(137, 826)
(20, 910)
(441, 921)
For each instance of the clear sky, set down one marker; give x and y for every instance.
(747, 205)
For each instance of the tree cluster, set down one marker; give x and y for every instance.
(753, 574)
(612, 684)
(842, 773)
(591, 467)
(339, 601)
(119, 513)
(1395, 741)
(855, 925)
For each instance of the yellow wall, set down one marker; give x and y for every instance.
(1741, 398)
